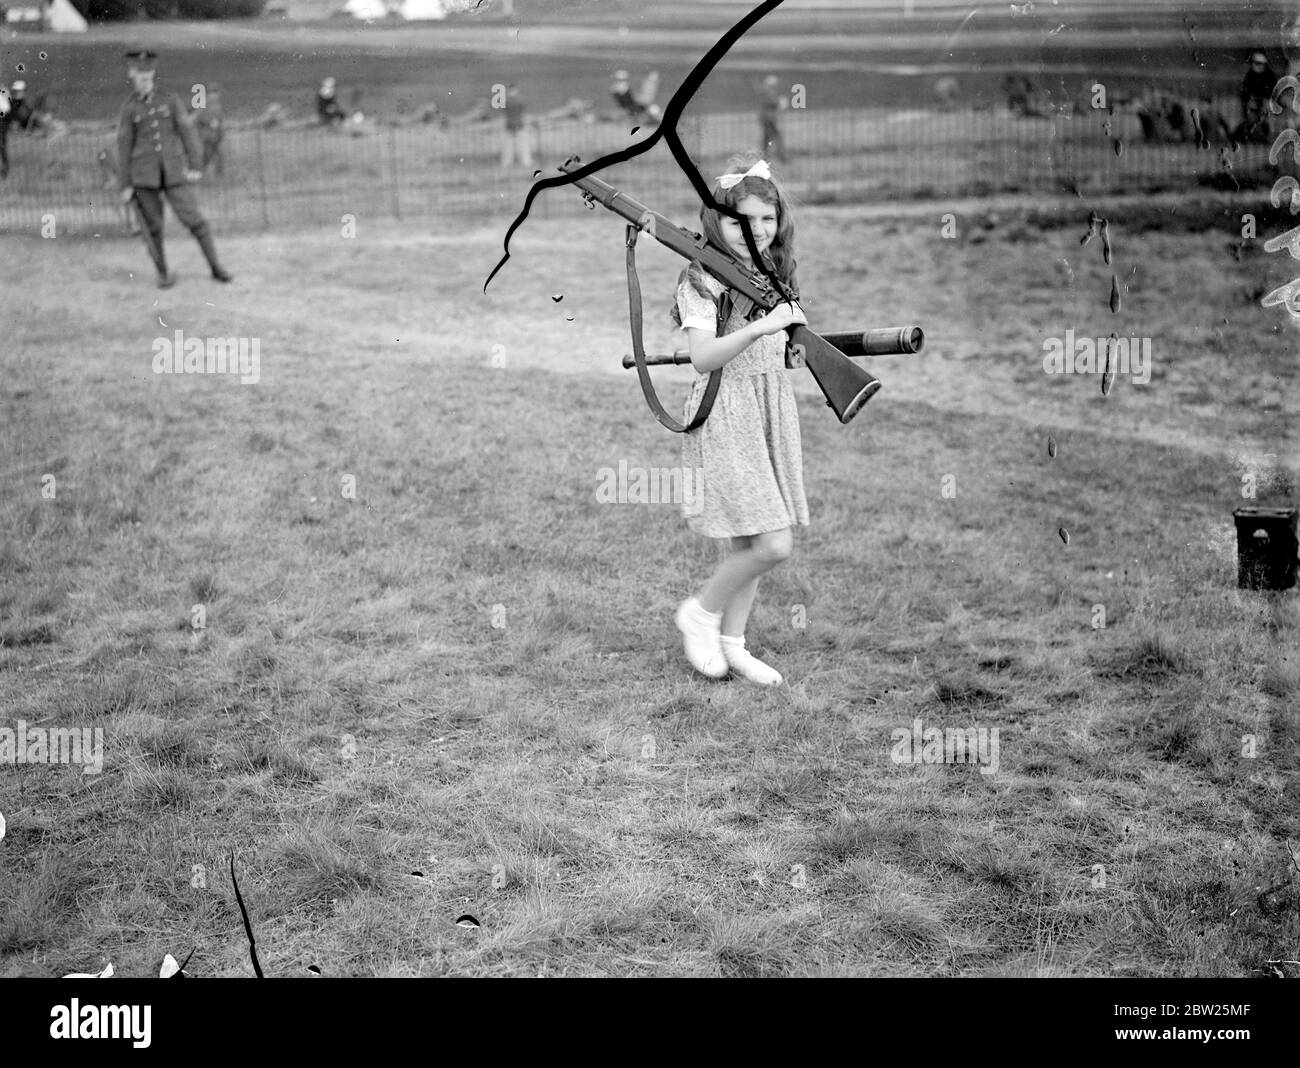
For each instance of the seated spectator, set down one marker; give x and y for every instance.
(639, 107)
(1256, 91)
(1163, 116)
(650, 111)
(1179, 121)
(1021, 99)
(947, 91)
(24, 113)
(328, 109)
(1214, 127)
(621, 90)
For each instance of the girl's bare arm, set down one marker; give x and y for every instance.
(708, 353)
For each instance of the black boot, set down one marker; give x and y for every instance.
(155, 246)
(203, 235)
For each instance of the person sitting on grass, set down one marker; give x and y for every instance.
(328, 109)
(1256, 91)
(24, 113)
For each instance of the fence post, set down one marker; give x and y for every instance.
(392, 162)
(261, 179)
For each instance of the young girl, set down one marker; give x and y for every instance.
(749, 447)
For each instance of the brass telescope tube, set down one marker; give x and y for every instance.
(883, 341)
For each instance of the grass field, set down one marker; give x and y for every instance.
(467, 669)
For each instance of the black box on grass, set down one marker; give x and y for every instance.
(1266, 548)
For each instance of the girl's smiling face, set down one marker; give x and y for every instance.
(762, 221)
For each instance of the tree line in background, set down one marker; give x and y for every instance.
(119, 10)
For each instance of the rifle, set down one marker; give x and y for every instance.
(846, 386)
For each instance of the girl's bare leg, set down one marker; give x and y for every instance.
(736, 614)
(763, 551)
(738, 574)
(713, 624)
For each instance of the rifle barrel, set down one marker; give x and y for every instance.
(608, 197)
(748, 282)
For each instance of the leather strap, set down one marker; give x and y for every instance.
(635, 310)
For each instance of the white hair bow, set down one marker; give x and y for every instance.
(758, 170)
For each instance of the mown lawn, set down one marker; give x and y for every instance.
(468, 670)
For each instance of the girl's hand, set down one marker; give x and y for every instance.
(782, 317)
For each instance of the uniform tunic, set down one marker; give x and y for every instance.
(156, 141)
(749, 448)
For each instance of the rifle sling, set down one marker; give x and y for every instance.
(634, 308)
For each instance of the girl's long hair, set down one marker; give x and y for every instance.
(780, 253)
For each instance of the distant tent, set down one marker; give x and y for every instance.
(366, 9)
(411, 10)
(62, 17)
(423, 9)
(24, 15)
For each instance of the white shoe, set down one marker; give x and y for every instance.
(748, 666)
(701, 631)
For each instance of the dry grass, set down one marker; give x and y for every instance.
(383, 759)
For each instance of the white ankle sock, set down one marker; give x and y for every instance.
(746, 665)
(700, 633)
(703, 614)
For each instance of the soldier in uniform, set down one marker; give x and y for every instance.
(4, 132)
(621, 90)
(771, 103)
(516, 142)
(159, 153)
(208, 122)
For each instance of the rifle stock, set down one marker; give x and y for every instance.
(846, 386)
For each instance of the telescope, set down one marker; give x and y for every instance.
(882, 341)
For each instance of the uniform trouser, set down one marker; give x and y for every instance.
(517, 143)
(772, 141)
(186, 206)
